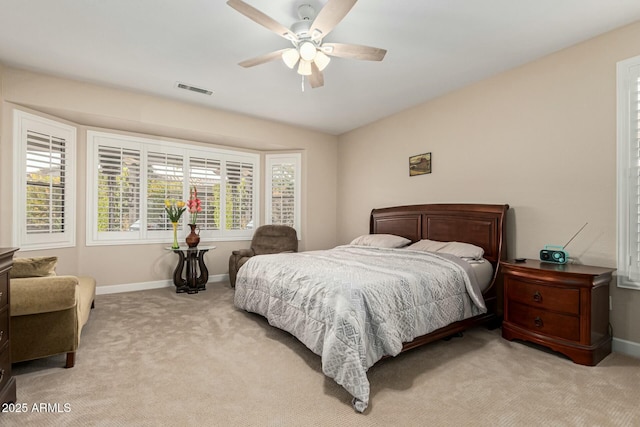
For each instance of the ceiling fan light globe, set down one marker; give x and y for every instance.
(322, 60)
(290, 57)
(304, 68)
(307, 51)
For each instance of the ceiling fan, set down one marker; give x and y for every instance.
(309, 51)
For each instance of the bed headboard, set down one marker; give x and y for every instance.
(481, 225)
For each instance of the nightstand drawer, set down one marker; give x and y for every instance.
(563, 300)
(544, 322)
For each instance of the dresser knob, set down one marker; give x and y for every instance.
(537, 297)
(538, 321)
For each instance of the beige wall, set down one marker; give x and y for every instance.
(541, 138)
(92, 106)
(4, 161)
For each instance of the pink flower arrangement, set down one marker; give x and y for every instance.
(194, 205)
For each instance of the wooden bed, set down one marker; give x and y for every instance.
(478, 224)
(352, 307)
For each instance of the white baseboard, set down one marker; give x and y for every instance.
(142, 286)
(629, 348)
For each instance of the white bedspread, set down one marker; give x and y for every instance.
(352, 304)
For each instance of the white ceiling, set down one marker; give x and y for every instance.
(434, 46)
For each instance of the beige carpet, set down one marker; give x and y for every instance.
(155, 358)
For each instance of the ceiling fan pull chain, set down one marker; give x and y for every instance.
(302, 79)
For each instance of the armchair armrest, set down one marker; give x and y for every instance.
(244, 252)
(32, 295)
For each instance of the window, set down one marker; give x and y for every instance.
(205, 175)
(118, 199)
(165, 181)
(283, 189)
(129, 178)
(239, 192)
(629, 173)
(44, 189)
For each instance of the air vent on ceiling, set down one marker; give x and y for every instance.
(194, 88)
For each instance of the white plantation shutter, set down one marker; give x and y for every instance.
(44, 199)
(629, 173)
(46, 178)
(634, 179)
(129, 178)
(165, 181)
(205, 175)
(239, 195)
(283, 190)
(118, 189)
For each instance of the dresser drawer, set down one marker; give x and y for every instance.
(4, 289)
(563, 300)
(544, 322)
(5, 367)
(4, 327)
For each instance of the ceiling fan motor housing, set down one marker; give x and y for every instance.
(301, 29)
(306, 12)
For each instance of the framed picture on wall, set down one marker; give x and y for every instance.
(420, 164)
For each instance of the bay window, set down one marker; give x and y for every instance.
(130, 178)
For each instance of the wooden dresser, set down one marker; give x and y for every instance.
(7, 382)
(562, 306)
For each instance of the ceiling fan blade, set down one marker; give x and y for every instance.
(330, 16)
(316, 79)
(353, 51)
(263, 58)
(262, 19)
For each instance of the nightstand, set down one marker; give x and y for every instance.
(561, 306)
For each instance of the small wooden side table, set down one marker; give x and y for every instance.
(191, 274)
(561, 306)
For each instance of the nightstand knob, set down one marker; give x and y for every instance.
(538, 322)
(537, 297)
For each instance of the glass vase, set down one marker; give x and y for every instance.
(175, 244)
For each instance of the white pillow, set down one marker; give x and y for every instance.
(427, 245)
(381, 241)
(459, 249)
(463, 250)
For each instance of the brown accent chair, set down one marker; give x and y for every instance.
(268, 239)
(48, 313)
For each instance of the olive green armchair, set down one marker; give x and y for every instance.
(47, 311)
